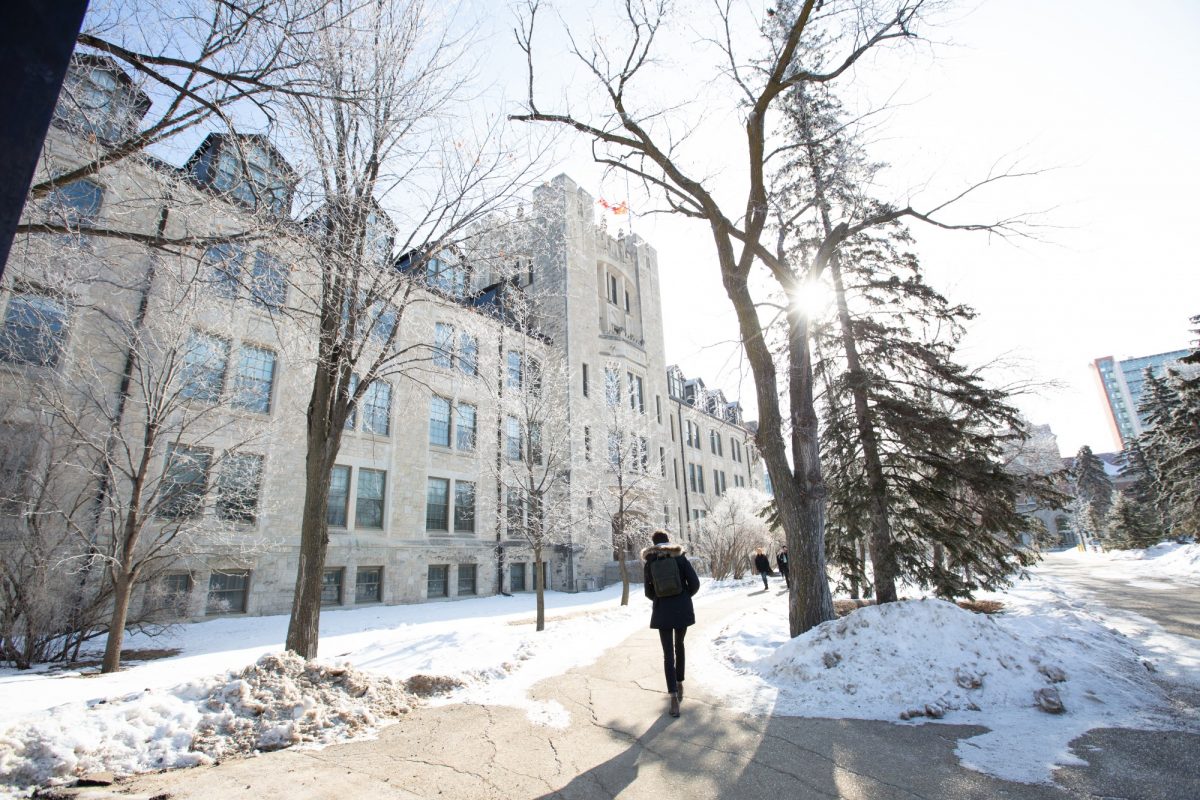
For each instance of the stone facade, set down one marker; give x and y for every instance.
(600, 302)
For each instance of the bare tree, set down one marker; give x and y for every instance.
(147, 452)
(623, 484)
(731, 530)
(380, 171)
(802, 43)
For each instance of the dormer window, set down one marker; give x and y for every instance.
(258, 183)
(377, 248)
(247, 170)
(98, 98)
(447, 274)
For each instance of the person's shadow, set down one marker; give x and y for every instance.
(614, 775)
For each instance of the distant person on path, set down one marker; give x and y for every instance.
(781, 561)
(762, 565)
(670, 581)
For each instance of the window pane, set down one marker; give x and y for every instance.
(516, 577)
(514, 369)
(184, 482)
(227, 592)
(612, 386)
(466, 579)
(439, 421)
(437, 501)
(443, 344)
(377, 408)
(368, 508)
(77, 202)
(352, 417)
(268, 282)
(468, 354)
(35, 329)
(339, 496)
(512, 437)
(204, 361)
(254, 378)
(436, 583)
(224, 262)
(238, 487)
(464, 507)
(384, 318)
(465, 429)
(368, 585)
(331, 587)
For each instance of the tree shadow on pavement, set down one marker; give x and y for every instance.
(615, 775)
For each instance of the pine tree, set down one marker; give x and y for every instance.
(1129, 526)
(1181, 458)
(911, 442)
(1093, 493)
(1194, 356)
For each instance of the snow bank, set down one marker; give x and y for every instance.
(927, 658)
(279, 701)
(1166, 561)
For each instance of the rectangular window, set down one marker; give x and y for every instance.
(331, 586)
(632, 393)
(437, 504)
(171, 593)
(439, 421)
(626, 301)
(512, 438)
(700, 478)
(662, 462)
(535, 442)
(436, 583)
(352, 417)
(612, 386)
(339, 497)
(238, 485)
(224, 263)
(464, 507)
(466, 579)
(585, 380)
(614, 450)
(468, 354)
(382, 319)
(204, 362)
(533, 376)
(268, 282)
(227, 592)
(78, 202)
(446, 276)
(672, 429)
(612, 289)
(377, 408)
(368, 585)
(464, 428)
(443, 345)
(587, 443)
(514, 369)
(514, 511)
(184, 481)
(368, 505)
(658, 408)
(254, 378)
(35, 330)
(692, 477)
(640, 394)
(516, 577)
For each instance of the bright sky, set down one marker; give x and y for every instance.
(1103, 94)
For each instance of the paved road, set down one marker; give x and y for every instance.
(621, 743)
(1175, 606)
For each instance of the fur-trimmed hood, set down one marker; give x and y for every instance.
(660, 550)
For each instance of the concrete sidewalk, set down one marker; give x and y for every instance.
(622, 743)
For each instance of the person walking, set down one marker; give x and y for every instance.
(670, 582)
(781, 561)
(762, 565)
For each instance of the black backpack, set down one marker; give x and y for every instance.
(664, 575)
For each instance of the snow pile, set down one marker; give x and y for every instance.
(279, 701)
(1038, 677)
(1165, 560)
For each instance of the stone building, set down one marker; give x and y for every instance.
(415, 511)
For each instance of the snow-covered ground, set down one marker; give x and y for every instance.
(920, 659)
(1165, 561)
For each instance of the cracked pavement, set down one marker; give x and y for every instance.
(621, 743)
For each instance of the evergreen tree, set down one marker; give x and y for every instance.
(1180, 464)
(1194, 356)
(1129, 526)
(1093, 493)
(911, 441)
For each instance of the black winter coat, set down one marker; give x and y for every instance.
(762, 565)
(677, 611)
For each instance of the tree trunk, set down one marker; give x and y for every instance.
(883, 563)
(539, 581)
(624, 577)
(122, 590)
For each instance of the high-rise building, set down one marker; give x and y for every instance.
(1121, 382)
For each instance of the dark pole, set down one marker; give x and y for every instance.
(36, 41)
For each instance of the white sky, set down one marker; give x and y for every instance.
(1104, 93)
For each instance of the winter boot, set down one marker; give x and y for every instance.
(674, 712)
(679, 690)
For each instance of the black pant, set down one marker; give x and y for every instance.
(672, 655)
(764, 577)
